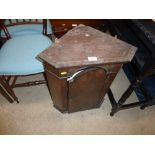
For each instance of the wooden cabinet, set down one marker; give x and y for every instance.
(61, 26)
(81, 66)
(84, 89)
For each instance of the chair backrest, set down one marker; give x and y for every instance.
(8, 23)
(4, 28)
(12, 22)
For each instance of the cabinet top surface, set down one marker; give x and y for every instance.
(84, 45)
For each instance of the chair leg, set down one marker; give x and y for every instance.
(9, 90)
(5, 82)
(2, 91)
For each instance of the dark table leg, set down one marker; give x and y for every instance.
(134, 84)
(126, 94)
(116, 106)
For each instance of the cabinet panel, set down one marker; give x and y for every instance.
(58, 90)
(87, 90)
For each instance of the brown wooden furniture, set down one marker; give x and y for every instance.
(18, 55)
(3, 91)
(140, 33)
(81, 66)
(17, 27)
(61, 26)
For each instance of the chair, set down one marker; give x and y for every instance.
(18, 55)
(18, 27)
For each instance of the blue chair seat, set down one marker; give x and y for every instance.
(18, 55)
(27, 29)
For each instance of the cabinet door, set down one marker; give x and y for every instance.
(87, 89)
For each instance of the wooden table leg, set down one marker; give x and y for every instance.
(126, 94)
(116, 106)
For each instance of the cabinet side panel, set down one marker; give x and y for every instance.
(58, 90)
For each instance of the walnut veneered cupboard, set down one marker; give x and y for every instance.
(81, 65)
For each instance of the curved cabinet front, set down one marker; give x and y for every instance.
(79, 88)
(86, 90)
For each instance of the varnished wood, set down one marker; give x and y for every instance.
(6, 32)
(3, 92)
(66, 93)
(20, 22)
(14, 81)
(74, 48)
(62, 26)
(87, 90)
(58, 90)
(23, 21)
(27, 84)
(75, 83)
(8, 88)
